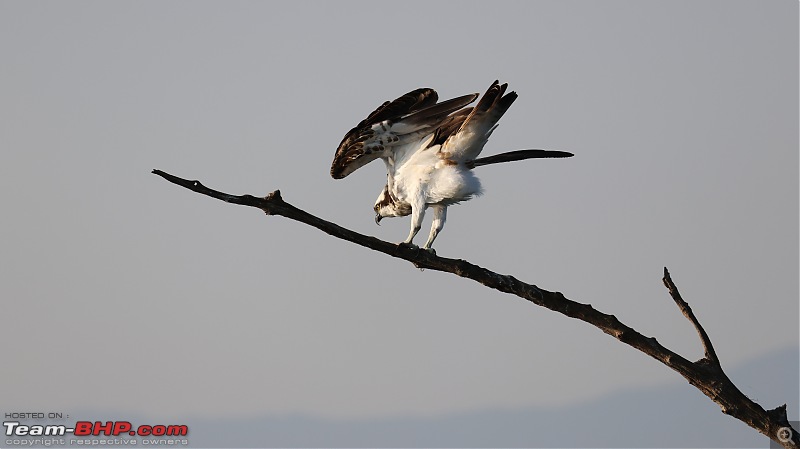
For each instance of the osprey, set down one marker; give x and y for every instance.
(430, 150)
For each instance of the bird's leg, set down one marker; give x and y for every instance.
(417, 214)
(439, 217)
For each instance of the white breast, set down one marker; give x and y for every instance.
(432, 180)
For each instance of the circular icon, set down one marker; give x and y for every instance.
(784, 434)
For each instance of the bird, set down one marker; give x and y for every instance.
(430, 150)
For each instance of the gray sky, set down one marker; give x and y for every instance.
(124, 293)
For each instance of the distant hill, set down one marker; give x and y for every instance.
(676, 415)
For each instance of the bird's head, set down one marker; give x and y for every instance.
(388, 206)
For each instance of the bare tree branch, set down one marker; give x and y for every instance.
(705, 374)
(711, 355)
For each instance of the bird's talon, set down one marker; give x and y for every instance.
(408, 245)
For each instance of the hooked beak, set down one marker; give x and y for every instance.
(378, 219)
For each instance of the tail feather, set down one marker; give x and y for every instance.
(518, 155)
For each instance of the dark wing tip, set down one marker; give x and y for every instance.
(336, 172)
(519, 155)
(555, 153)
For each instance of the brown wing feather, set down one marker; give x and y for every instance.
(494, 93)
(413, 101)
(414, 113)
(450, 126)
(351, 148)
(467, 143)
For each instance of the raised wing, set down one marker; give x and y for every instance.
(467, 142)
(450, 126)
(394, 123)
